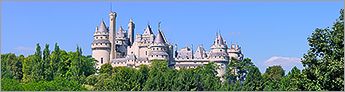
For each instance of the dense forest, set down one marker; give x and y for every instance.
(48, 70)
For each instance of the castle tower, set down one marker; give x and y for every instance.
(159, 48)
(112, 35)
(235, 52)
(218, 50)
(219, 55)
(131, 27)
(121, 43)
(200, 53)
(101, 45)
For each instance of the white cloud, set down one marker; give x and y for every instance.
(286, 62)
(22, 48)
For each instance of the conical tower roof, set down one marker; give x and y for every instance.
(219, 40)
(102, 27)
(159, 38)
(148, 30)
(121, 31)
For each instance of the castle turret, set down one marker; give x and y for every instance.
(218, 50)
(131, 27)
(159, 48)
(200, 53)
(112, 29)
(184, 53)
(219, 55)
(235, 52)
(101, 45)
(121, 43)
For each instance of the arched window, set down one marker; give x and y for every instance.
(101, 60)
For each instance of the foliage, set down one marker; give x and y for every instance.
(47, 71)
(324, 63)
(272, 77)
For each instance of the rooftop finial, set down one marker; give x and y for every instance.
(111, 6)
(131, 19)
(159, 25)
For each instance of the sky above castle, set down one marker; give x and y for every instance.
(269, 33)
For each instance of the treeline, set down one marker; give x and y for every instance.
(47, 70)
(159, 77)
(60, 70)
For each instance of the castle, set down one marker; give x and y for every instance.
(122, 48)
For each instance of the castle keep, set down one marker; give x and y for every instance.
(122, 48)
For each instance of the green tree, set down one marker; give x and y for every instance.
(37, 65)
(291, 82)
(272, 77)
(323, 62)
(208, 78)
(11, 66)
(46, 68)
(106, 69)
(55, 61)
(28, 67)
(253, 81)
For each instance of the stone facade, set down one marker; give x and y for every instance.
(121, 48)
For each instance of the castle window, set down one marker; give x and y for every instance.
(153, 48)
(101, 60)
(96, 37)
(156, 55)
(101, 37)
(101, 43)
(96, 43)
(145, 52)
(220, 50)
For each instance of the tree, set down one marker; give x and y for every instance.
(157, 76)
(272, 77)
(46, 64)
(11, 66)
(37, 64)
(323, 62)
(208, 78)
(253, 81)
(106, 69)
(55, 60)
(291, 82)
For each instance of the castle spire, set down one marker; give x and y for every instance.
(131, 27)
(159, 38)
(103, 27)
(112, 32)
(148, 30)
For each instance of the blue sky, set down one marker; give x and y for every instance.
(269, 33)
